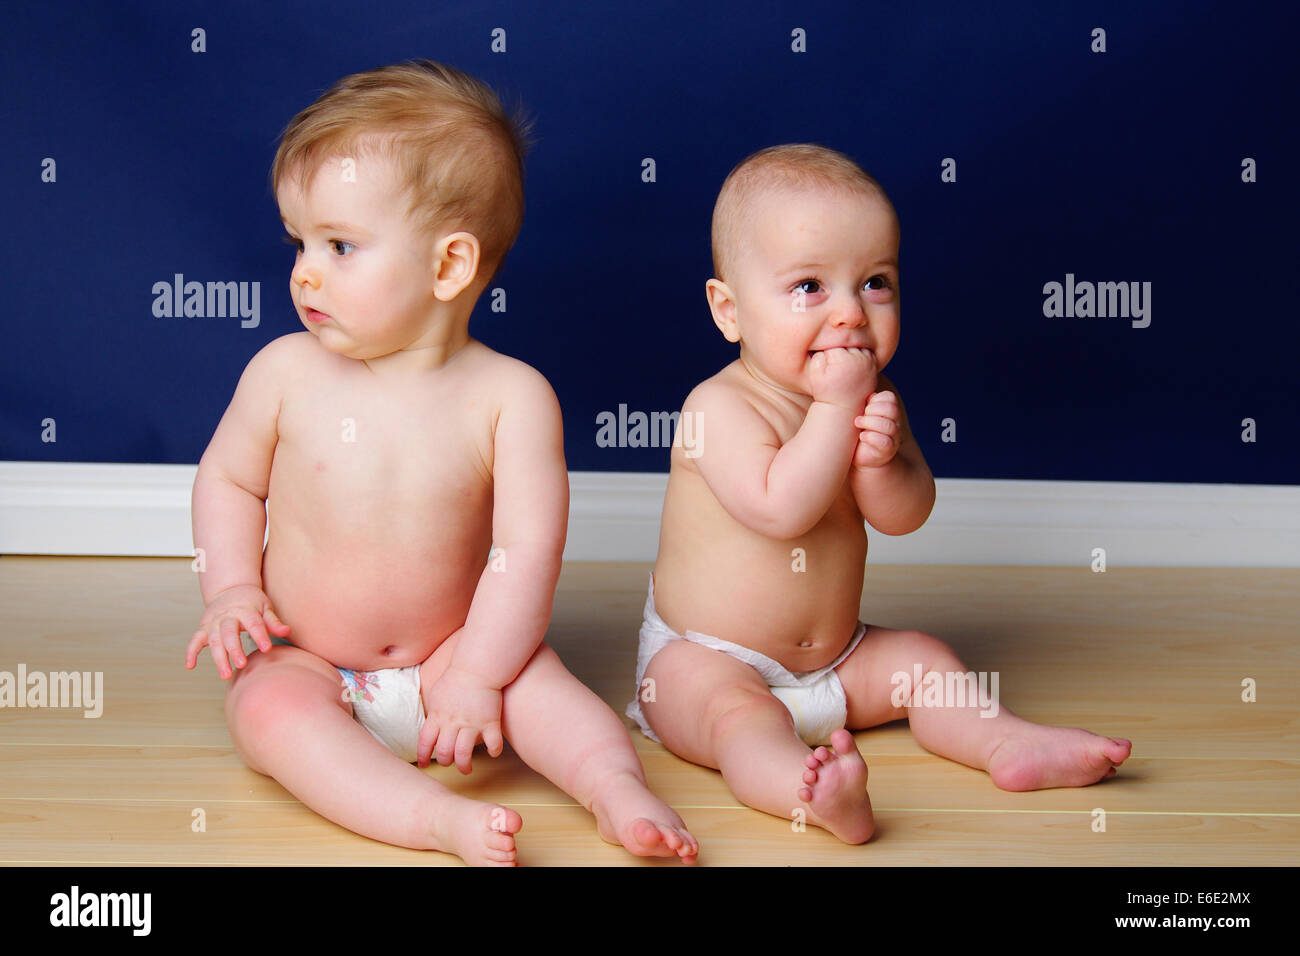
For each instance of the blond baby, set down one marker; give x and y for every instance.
(751, 651)
(417, 494)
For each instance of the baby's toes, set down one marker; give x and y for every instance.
(690, 848)
(1095, 765)
(688, 851)
(658, 839)
(817, 758)
(495, 840)
(660, 835)
(692, 845)
(1117, 749)
(672, 838)
(504, 820)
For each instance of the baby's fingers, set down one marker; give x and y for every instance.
(880, 402)
(273, 621)
(876, 423)
(218, 651)
(882, 416)
(465, 741)
(424, 747)
(230, 630)
(197, 643)
(256, 628)
(870, 455)
(445, 748)
(492, 739)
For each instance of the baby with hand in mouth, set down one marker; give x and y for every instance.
(751, 652)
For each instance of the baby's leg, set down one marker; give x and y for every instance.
(289, 721)
(1018, 754)
(716, 711)
(561, 729)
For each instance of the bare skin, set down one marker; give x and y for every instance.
(763, 541)
(417, 495)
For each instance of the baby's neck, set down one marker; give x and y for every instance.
(763, 382)
(420, 358)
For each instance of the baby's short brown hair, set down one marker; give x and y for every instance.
(459, 157)
(795, 165)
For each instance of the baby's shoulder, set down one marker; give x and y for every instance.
(722, 396)
(292, 345)
(279, 348)
(282, 359)
(509, 382)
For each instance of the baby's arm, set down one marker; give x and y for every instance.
(229, 516)
(891, 482)
(782, 491)
(512, 604)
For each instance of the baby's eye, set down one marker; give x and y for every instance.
(297, 243)
(884, 283)
(816, 286)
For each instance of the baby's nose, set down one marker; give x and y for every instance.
(848, 314)
(303, 276)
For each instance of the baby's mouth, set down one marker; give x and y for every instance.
(812, 352)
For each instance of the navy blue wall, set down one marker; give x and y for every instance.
(1115, 166)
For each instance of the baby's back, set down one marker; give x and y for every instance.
(795, 600)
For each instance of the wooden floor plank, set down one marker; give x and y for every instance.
(1155, 655)
(287, 834)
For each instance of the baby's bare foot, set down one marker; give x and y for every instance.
(628, 814)
(836, 790)
(481, 834)
(1035, 757)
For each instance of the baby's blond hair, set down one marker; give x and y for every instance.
(793, 166)
(459, 157)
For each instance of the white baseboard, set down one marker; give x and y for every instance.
(104, 509)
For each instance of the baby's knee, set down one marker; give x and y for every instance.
(739, 705)
(250, 706)
(929, 652)
(545, 657)
(544, 665)
(274, 684)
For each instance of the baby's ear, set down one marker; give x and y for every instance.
(723, 306)
(455, 264)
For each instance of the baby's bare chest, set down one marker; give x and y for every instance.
(381, 456)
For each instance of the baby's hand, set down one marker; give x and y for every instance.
(878, 441)
(458, 709)
(843, 377)
(241, 607)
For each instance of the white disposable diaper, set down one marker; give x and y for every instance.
(815, 699)
(388, 704)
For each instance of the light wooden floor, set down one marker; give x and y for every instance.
(1155, 655)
